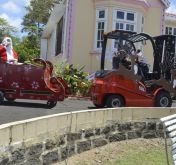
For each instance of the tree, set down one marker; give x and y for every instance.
(27, 49)
(37, 16)
(6, 28)
(33, 23)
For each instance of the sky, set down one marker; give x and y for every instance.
(172, 8)
(14, 10)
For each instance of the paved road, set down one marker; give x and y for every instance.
(25, 109)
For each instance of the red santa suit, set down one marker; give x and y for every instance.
(7, 54)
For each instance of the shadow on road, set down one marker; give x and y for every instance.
(91, 107)
(25, 104)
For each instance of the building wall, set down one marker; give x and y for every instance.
(81, 29)
(51, 45)
(84, 53)
(153, 26)
(83, 34)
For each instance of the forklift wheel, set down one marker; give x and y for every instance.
(51, 104)
(163, 99)
(115, 101)
(1, 97)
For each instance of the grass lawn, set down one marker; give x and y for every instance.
(152, 156)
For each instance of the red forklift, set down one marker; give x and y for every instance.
(123, 86)
(31, 81)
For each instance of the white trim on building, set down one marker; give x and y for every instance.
(100, 26)
(49, 32)
(44, 50)
(56, 15)
(166, 3)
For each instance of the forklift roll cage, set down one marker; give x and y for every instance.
(132, 38)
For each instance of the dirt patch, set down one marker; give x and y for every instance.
(113, 151)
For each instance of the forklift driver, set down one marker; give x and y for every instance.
(115, 60)
(120, 57)
(143, 68)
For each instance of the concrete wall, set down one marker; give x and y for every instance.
(45, 140)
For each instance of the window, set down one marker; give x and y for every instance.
(101, 14)
(99, 33)
(123, 20)
(130, 16)
(170, 31)
(101, 26)
(174, 33)
(59, 35)
(119, 26)
(129, 27)
(120, 15)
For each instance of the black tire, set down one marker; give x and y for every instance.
(51, 104)
(115, 101)
(163, 99)
(1, 97)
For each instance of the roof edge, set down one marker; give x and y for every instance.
(166, 3)
(170, 17)
(55, 16)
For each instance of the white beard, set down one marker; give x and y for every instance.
(9, 51)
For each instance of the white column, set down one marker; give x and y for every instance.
(44, 49)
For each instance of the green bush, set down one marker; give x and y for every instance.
(75, 78)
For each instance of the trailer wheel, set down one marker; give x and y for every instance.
(1, 97)
(115, 101)
(10, 99)
(163, 99)
(51, 104)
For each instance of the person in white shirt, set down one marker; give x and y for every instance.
(141, 57)
(142, 63)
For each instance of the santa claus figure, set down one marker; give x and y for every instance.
(7, 54)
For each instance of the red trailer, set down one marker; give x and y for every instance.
(31, 81)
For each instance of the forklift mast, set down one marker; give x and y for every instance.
(165, 57)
